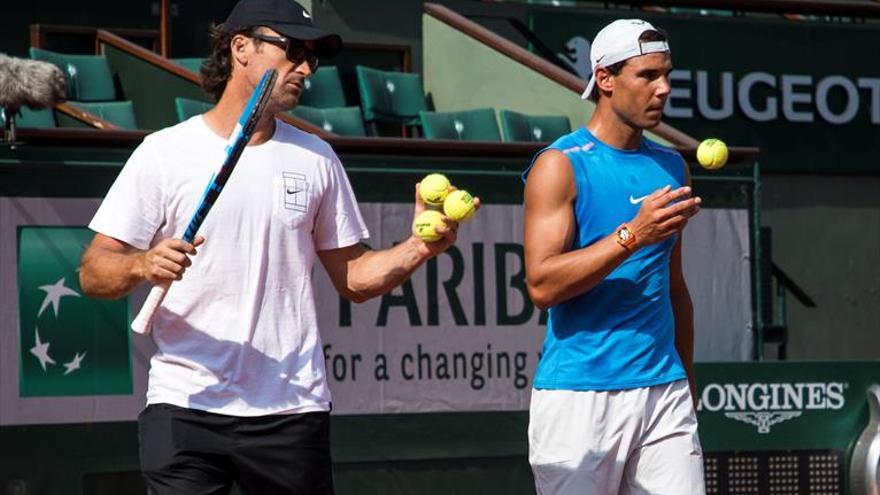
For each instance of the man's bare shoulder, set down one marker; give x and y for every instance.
(551, 177)
(552, 163)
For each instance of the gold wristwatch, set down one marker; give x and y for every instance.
(625, 237)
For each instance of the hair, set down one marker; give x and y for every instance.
(217, 69)
(614, 69)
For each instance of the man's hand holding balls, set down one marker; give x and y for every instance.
(440, 207)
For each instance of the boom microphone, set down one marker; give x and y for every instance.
(28, 83)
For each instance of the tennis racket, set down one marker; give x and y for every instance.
(241, 134)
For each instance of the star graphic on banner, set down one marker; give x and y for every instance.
(57, 354)
(54, 293)
(41, 350)
(74, 365)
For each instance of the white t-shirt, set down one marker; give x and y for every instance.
(238, 335)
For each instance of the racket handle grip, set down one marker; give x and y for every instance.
(144, 319)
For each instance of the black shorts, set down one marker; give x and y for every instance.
(185, 451)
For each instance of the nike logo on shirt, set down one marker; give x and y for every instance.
(636, 201)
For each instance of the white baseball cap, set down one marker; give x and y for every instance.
(619, 41)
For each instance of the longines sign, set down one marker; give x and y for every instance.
(766, 404)
(763, 82)
(786, 405)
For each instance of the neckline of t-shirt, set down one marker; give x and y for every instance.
(217, 137)
(622, 152)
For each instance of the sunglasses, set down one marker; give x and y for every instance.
(296, 50)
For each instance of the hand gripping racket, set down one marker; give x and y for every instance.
(242, 133)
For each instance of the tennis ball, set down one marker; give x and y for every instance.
(434, 188)
(459, 206)
(425, 225)
(712, 154)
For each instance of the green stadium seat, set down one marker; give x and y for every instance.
(88, 76)
(33, 119)
(516, 126)
(345, 121)
(467, 125)
(324, 89)
(193, 64)
(90, 86)
(387, 96)
(186, 108)
(120, 113)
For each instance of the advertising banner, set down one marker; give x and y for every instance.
(787, 427)
(460, 335)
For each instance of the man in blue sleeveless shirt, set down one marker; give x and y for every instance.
(612, 410)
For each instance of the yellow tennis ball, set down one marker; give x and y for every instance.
(459, 206)
(712, 154)
(434, 188)
(425, 225)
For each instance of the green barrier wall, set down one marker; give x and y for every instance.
(478, 453)
(813, 219)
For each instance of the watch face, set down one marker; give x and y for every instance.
(624, 234)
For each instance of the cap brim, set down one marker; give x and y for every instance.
(327, 45)
(586, 94)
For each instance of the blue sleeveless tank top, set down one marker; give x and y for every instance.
(621, 333)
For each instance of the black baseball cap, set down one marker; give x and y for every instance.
(288, 18)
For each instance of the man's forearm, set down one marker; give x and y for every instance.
(572, 273)
(377, 272)
(107, 274)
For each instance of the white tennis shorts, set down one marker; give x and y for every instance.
(635, 442)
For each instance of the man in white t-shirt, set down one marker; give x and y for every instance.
(237, 389)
